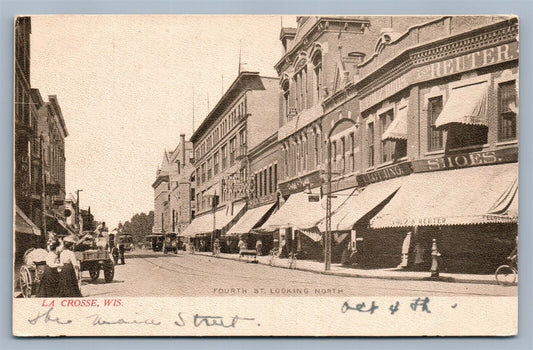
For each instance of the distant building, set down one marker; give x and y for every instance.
(174, 194)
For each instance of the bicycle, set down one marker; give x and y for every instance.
(292, 260)
(507, 274)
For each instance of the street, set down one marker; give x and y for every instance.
(148, 273)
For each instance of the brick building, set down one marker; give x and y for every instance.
(244, 117)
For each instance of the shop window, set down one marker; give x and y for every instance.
(435, 137)
(334, 155)
(507, 108)
(370, 142)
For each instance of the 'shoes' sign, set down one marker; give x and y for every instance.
(465, 160)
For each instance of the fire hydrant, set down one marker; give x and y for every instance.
(435, 256)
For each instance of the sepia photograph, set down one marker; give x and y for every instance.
(259, 175)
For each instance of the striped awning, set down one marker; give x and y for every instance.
(249, 220)
(453, 197)
(397, 130)
(466, 105)
(204, 223)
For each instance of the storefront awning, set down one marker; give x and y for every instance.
(360, 204)
(466, 105)
(249, 220)
(23, 224)
(204, 223)
(451, 197)
(397, 130)
(300, 213)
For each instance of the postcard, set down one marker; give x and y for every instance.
(210, 175)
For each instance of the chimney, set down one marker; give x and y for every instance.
(183, 149)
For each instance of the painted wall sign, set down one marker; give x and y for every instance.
(474, 60)
(465, 160)
(298, 185)
(387, 173)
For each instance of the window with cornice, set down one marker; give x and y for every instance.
(317, 63)
(286, 92)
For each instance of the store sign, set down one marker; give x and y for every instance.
(465, 160)
(387, 173)
(464, 63)
(473, 60)
(299, 184)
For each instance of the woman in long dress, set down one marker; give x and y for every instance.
(68, 281)
(48, 287)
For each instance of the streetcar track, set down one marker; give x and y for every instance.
(202, 273)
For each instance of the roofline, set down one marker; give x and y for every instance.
(196, 134)
(320, 20)
(55, 105)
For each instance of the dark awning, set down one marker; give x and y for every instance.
(23, 224)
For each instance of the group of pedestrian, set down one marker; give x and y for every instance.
(61, 272)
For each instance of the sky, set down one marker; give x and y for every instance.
(125, 87)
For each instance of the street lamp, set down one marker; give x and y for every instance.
(327, 243)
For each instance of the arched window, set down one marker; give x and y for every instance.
(317, 76)
(286, 92)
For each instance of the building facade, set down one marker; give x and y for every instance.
(174, 190)
(52, 131)
(440, 103)
(422, 134)
(245, 116)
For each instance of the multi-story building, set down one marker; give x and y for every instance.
(321, 57)
(244, 117)
(161, 188)
(430, 94)
(28, 204)
(182, 187)
(262, 194)
(174, 197)
(440, 102)
(52, 132)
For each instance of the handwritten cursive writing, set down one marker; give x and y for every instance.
(358, 307)
(97, 320)
(47, 317)
(211, 321)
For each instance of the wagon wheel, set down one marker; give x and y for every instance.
(25, 281)
(94, 272)
(109, 271)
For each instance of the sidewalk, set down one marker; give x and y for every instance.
(344, 271)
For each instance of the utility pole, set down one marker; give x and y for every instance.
(43, 192)
(78, 207)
